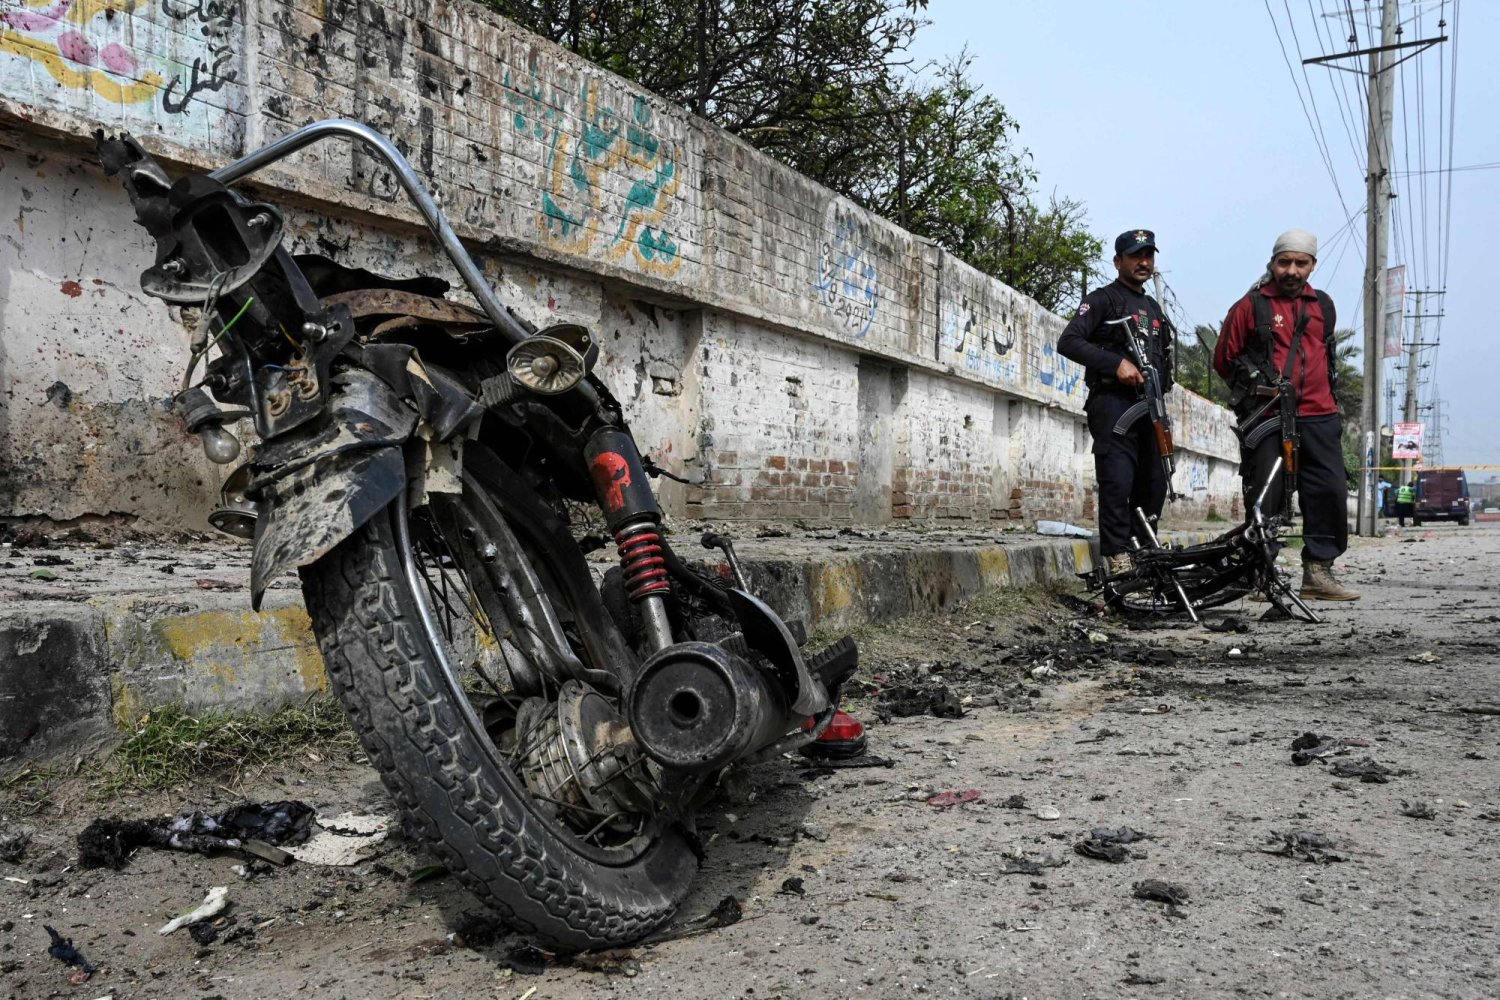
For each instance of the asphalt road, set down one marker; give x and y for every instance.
(1167, 731)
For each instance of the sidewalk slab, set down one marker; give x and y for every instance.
(91, 638)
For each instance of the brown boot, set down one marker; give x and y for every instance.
(1319, 584)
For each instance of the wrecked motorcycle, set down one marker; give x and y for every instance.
(430, 470)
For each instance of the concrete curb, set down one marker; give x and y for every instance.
(80, 666)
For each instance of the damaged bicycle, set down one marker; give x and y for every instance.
(431, 471)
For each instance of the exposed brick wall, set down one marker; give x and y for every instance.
(777, 425)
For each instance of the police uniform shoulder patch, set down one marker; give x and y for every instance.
(1083, 309)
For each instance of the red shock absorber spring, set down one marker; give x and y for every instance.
(642, 561)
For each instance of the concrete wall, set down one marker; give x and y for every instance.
(799, 355)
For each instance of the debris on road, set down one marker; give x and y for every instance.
(1366, 770)
(108, 843)
(1136, 979)
(213, 904)
(725, 914)
(1310, 747)
(933, 697)
(63, 950)
(526, 960)
(13, 845)
(615, 962)
(1306, 845)
(1417, 810)
(343, 840)
(948, 799)
(814, 767)
(1162, 892)
(1105, 844)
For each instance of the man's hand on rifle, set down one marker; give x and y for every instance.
(1129, 374)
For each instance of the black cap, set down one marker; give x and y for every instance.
(1135, 241)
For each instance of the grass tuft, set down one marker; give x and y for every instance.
(171, 745)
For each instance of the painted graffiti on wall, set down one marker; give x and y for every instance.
(152, 59)
(613, 182)
(1195, 469)
(1057, 372)
(979, 341)
(209, 73)
(847, 281)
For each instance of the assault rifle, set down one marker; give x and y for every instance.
(1152, 403)
(1254, 429)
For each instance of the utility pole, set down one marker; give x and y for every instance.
(1409, 411)
(1413, 353)
(1377, 231)
(1377, 236)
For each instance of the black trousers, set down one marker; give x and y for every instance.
(1405, 510)
(1322, 486)
(1128, 471)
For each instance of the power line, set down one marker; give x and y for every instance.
(1316, 130)
(1454, 170)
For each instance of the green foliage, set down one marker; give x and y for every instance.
(826, 87)
(1195, 364)
(170, 744)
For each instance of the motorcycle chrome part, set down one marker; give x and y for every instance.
(507, 324)
(713, 540)
(554, 360)
(696, 707)
(236, 514)
(580, 756)
(655, 622)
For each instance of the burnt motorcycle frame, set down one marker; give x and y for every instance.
(1186, 579)
(355, 430)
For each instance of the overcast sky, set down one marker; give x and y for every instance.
(1181, 116)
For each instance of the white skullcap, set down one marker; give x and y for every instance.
(1296, 241)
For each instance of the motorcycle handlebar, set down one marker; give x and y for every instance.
(508, 326)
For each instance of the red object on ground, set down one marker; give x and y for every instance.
(843, 727)
(844, 737)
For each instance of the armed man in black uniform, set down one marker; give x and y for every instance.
(1127, 466)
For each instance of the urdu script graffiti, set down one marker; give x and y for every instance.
(605, 174)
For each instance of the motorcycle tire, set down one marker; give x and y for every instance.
(1145, 595)
(451, 782)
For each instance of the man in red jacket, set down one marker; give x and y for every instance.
(1284, 328)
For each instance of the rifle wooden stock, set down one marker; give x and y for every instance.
(1164, 447)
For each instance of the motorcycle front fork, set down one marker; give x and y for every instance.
(634, 519)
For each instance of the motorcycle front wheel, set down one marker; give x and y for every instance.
(568, 845)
